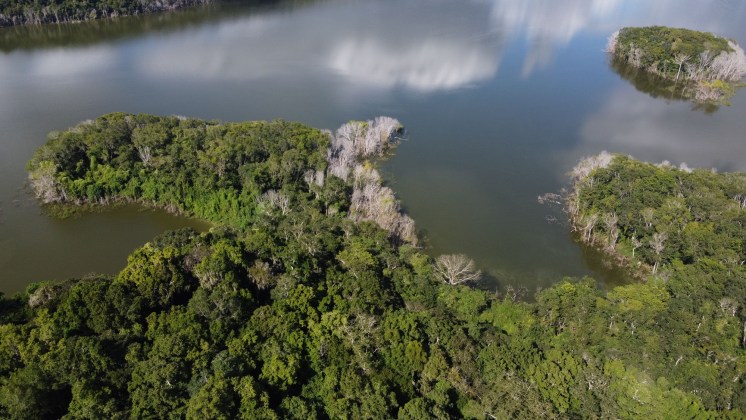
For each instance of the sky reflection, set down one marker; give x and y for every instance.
(450, 45)
(656, 130)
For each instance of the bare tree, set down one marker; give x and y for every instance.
(658, 245)
(456, 269)
(352, 143)
(341, 152)
(373, 201)
(730, 66)
(610, 222)
(589, 222)
(648, 214)
(680, 59)
(44, 182)
(701, 70)
(273, 199)
(635, 57)
(357, 140)
(612, 43)
(589, 164)
(741, 200)
(145, 154)
(405, 229)
(636, 243)
(314, 177)
(729, 306)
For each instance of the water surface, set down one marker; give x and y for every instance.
(500, 98)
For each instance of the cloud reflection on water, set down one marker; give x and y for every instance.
(547, 24)
(427, 66)
(655, 130)
(63, 64)
(448, 50)
(389, 50)
(447, 46)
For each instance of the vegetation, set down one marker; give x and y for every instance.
(33, 37)
(708, 66)
(229, 174)
(305, 310)
(36, 12)
(685, 228)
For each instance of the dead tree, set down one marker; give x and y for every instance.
(658, 245)
(456, 269)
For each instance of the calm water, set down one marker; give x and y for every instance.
(500, 98)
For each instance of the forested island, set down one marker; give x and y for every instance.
(310, 299)
(27, 12)
(707, 67)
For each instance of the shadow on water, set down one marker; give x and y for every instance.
(659, 87)
(32, 37)
(604, 267)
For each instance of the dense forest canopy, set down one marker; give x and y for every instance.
(302, 303)
(20, 12)
(711, 64)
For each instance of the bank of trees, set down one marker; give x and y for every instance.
(712, 65)
(300, 311)
(685, 228)
(25, 12)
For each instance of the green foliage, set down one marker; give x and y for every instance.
(660, 45)
(685, 317)
(298, 312)
(213, 171)
(679, 63)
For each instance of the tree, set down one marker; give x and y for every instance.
(680, 59)
(456, 269)
(44, 182)
(658, 245)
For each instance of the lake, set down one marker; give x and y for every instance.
(500, 100)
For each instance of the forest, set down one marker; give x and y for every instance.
(712, 66)
(310, 298)
(37, 12)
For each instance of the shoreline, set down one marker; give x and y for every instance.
(29, 16)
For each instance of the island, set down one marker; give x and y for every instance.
(311, 297)
(707, 68)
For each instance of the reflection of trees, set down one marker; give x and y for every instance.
(657, 86)
(29, 37)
